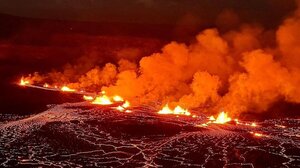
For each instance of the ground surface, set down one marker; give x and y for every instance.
(80, 135)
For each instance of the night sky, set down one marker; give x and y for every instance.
(268, 12)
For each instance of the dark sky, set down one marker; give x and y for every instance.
(146, 11)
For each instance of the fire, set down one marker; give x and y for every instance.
(253, 124)
(178, 111)
(211, 118)
(106, 100)
(88, 98)
(123, 107)
(120, 108)
(201, 125)
(256, 134)
(24, 82)
(102, 100)
(46, 85)
(118, 98)
(221, 119)
(67, 89)
(126, 104)
(237, 121)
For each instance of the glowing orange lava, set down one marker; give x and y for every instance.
(126, 104)
(106, 100)
(118, 98)
(211, 118)
(221, 119)
(102, 100)
(177, 111)
(24, 82)
(67, 89)
(123, 107)
(88, 98)
(256, 134)
(46, 85)
(280, 126)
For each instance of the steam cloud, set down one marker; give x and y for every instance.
(237, 71)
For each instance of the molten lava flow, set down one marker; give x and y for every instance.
(256, 134)
(120, 108)
(123, 107)
(67, 89)
(221, 119)
(46, 85)
(106, 100)
(237, 121)
(177, 111)
(24, 82)
(280, 126)
(88, 98)
(102, 100)
(126, 104)
(212, 118)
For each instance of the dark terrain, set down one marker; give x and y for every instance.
(81, 135)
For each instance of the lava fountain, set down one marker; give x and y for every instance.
(177, 111)
(222, 118)
(67, 89)
(24, 82)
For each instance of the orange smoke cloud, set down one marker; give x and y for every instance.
(288, 41)
(204, 90)
(96, 77)
(264, 82)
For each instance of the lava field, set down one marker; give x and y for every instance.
(83, 135)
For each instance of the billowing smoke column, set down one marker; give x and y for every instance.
(236, 71)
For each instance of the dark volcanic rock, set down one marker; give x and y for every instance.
(80, 135)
